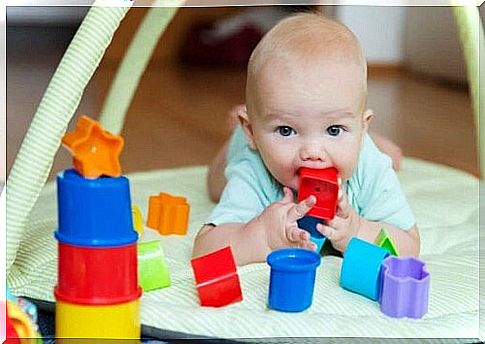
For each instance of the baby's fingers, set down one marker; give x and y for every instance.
(296, 235)
(288, 195)
(300, 238)
(308, 245)
(299, 210)
(343, 206)
(331, 233)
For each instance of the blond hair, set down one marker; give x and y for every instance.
(303, 38)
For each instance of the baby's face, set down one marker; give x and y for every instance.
(307, 116)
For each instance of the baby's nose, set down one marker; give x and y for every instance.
(313, 152)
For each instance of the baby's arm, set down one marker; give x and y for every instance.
(275, 228)
(216, 180)
(247, 244)
(406, 242)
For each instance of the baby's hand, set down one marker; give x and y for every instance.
(344, 225)
(279, 222)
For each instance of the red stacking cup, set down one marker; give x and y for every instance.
(97, 275)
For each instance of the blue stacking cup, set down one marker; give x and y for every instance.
(94, 212)
(292, 279)
(361, 268)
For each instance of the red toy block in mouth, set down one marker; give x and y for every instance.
(323, 184)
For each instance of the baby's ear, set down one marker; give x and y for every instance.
(367, 117)
(246, 126)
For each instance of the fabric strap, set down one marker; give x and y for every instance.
(61, 99)
(470, 29)
(133, 65)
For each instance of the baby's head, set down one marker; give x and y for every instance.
(305, 95)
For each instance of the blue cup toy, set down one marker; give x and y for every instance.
(309, 223)
(292, 279)
(361, 268)
(94, 212)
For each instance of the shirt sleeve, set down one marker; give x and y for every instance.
(380, 197)
(241, 200)
(250, 188)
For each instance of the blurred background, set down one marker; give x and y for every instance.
(178, 117)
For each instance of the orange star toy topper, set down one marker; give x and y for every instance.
(95, 151)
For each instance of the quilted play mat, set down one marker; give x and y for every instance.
(444, 200)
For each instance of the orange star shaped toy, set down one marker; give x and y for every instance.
(95, 151)
(168, 214)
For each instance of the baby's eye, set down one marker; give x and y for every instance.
(335, 130)
(286, 131)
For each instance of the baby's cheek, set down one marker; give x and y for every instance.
(347, 167)
(279, 169)
(352, 166)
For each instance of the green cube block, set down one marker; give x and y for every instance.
(152, 268)
(384, 240)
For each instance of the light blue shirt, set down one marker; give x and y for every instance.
(373, 190)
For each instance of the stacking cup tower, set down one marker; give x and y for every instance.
(97, 292)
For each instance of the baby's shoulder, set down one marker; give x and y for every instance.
(371, 156)
(248, 168)
(371, 167)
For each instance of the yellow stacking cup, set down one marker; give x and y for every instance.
(93, 321)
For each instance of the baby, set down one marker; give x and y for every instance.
(305, 96)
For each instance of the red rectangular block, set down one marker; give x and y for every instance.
(216, 278)
(220, 293)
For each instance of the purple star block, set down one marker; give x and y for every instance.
(405, 287)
